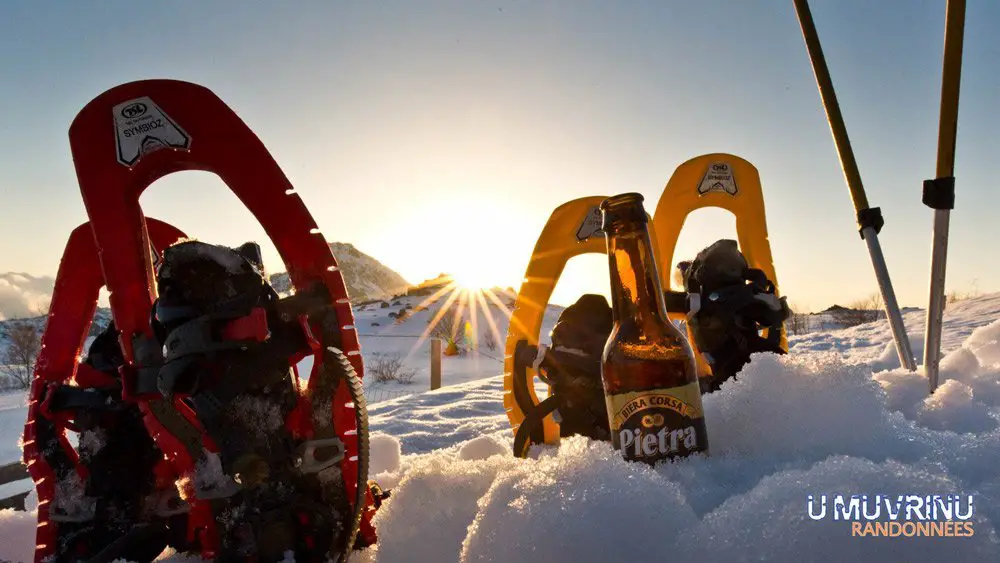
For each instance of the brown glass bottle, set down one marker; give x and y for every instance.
(649, 372)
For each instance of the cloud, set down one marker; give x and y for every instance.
(24, 295)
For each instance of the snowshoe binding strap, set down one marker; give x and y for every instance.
(191, 328)
(530, 430)
(577, 397)
(104, 490)
(242, 395)
(723, 181)
(572, 369)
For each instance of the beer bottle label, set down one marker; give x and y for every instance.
(658, 423)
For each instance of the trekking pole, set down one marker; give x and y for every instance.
(869, 218)
(939, 193)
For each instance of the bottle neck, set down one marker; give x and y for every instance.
(636, 300)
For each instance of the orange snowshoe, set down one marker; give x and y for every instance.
(728, 317)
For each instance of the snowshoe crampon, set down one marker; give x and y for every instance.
(114, 482)
(574, 228)
(210, 350)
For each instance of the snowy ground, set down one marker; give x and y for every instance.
(382, 335)
(833, 417)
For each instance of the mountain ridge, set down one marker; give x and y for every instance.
(365, 277)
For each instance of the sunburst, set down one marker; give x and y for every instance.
(462, 305)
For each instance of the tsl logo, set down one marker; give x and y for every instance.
(132, 111)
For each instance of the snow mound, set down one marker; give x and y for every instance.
(952, 407)
(789, 427)
(384, 453)
(985, 342)
(584, 504)
(483, 447)
(439, 499)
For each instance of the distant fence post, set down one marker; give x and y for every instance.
(435, 363)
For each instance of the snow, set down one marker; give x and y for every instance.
(826, 419)
(872, 344)
(444, 417)
(71, 501)
(483, 447)
(209, 480)
(789, 427)
(833, 417)
(384, 454)
(13, 412)
(381, 334)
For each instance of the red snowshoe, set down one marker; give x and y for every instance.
(264, 466)
(114, 484)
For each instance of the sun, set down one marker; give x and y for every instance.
(475, 267)
(472, 278)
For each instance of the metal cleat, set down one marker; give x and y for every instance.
(82, 509)
(308, 462)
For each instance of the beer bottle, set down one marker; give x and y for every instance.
(649, 372)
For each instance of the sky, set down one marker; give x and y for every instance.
(438, 136)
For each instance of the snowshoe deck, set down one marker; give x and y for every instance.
(157, 127)
(712, 180)
(86, 495)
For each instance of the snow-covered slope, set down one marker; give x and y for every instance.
(832, 417)
(837, 317)
(871, 343)
(101, 319)
(366, 278)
